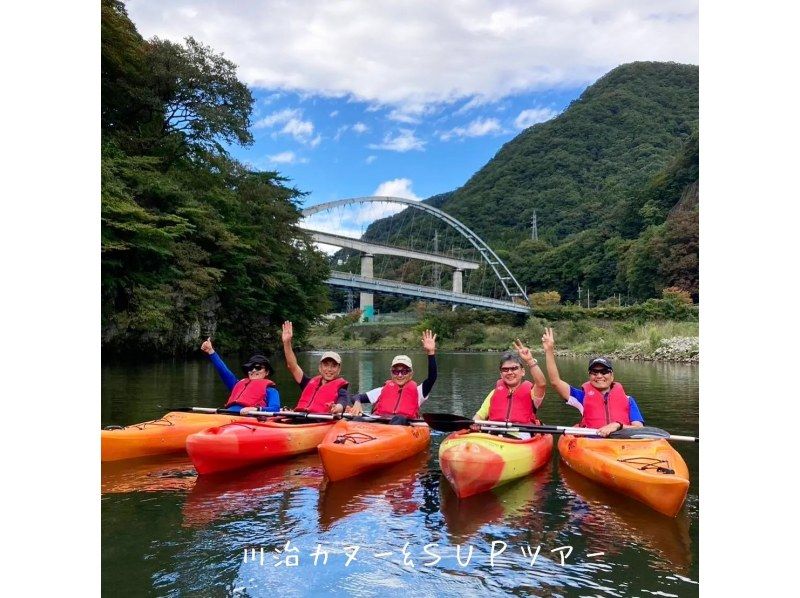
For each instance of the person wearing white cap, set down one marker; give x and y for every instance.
(603, 403)
(324, 393)
(400, 397)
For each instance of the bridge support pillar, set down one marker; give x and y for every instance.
(365, 299)
(458, 281)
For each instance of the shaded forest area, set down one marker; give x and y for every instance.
(193, 242)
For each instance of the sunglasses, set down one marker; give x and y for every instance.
(511, 368)
(599, 372)
(255, 368)
(400, 371)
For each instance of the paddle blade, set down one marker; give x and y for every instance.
(644, 432)
(447, 422)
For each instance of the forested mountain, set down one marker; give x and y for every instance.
(606, 178)
(192, 242)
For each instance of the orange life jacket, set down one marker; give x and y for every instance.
(516, 407)
(397, 400)
(250, 393)
(317, 396)
(600, 409)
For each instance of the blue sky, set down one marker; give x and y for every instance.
(411, 98)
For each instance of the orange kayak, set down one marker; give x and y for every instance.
(159, 436)
(474, 462)
(352, 447)
(650, 471)
(244, 444)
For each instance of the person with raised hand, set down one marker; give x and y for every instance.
(400, 397)
(602, 401)
(513, 399)
(324, 393)
(255, 392)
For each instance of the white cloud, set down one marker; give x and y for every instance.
(371, 159)
(301, 130)
(429, 52)
(360, 127)
(402, 117)
(334, 114)
(477, 128)
(293, 125)
(286, 158)
(277, 118)
(404, 141)
(526, 118)
(396, 188)
(353, 220)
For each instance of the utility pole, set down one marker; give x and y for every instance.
(534, 227)
(587, 299)
(349, 299)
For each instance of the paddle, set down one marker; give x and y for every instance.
(446, 422)
(294, 414)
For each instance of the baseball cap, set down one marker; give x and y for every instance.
(402, 359)
(601, 361)
(258, 360)
(331, 355)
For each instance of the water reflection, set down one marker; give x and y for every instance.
(607, 518)
(167, 473)
(241, 494)
(516, 504)
(397, 486)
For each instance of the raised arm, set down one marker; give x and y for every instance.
(227, 376)
(548, 344)
(429, 344)
(291, 359)
(539, 381)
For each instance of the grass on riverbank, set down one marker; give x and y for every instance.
(655, 340)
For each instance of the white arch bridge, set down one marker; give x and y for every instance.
(514, 297)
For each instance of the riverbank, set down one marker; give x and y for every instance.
(673, 341)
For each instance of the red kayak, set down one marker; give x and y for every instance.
(243, 444)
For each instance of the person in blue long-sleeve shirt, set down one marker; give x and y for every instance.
(253, 393)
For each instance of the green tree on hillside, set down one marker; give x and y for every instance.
(192, 242)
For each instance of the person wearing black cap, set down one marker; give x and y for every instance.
(603, 403)
(324, 393)
(252, 393)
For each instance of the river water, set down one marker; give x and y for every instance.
(168, 532)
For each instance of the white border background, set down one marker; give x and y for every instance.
(51, 310)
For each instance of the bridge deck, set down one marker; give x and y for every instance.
(381, 249)
(392, 287)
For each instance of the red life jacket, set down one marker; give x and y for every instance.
(395, 400)
(516, 407)
(317, 397)
(250, 393)
(599, 409)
